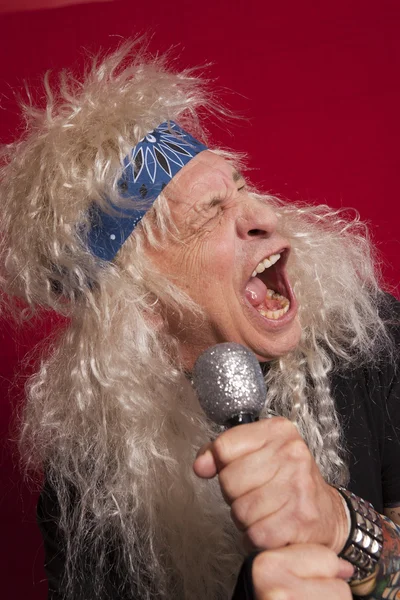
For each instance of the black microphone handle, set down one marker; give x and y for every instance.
(240, 419)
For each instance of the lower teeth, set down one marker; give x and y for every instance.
(276, 314)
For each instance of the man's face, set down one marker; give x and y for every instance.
(224, 235)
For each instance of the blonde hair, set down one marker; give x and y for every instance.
(110, 414)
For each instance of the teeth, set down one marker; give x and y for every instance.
(275, 314)
(265, 264)
(274, 258)
(284, 301)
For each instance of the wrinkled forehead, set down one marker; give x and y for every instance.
(206, 174)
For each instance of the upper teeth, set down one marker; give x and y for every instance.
(265, 264)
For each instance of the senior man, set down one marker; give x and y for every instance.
(156, 248)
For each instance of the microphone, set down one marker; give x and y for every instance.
(229, 384)
(231, 391)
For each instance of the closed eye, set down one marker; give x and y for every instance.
(214, 202)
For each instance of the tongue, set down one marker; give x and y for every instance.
(256, 294)
(256, 291)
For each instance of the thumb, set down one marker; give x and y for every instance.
(204, 466)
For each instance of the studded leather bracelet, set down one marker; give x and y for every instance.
(364, 544)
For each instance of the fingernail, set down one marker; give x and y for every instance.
(204, 454)
(201, 451)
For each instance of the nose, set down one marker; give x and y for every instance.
(257, 219)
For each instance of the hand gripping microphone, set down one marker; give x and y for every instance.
(231, 390)
(229, 384)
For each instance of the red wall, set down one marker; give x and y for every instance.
(318, 85)
(11, 6)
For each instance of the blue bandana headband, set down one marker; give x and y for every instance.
(149, 167)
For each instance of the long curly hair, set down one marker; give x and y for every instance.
(110, 415)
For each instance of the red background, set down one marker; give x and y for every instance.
(318, 85)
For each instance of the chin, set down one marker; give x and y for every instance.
(283, 344)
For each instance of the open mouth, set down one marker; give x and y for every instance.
(268, 290)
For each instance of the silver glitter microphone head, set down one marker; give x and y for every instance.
(229, 382)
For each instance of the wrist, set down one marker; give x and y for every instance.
(343, 522)
(364, 545)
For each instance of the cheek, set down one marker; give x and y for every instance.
(199, 259)
(200, 264)
(206, 273)
(185, 266)
(220, 256)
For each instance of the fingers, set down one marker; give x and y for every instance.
(303, 561)
(312, 589)
(283, 464)
(249, 472)
(273, 532)
(254, 506)
(273, 516)
(205, 466)
(239, 442)
(301, 572)
(274, 487)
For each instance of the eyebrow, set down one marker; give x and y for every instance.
(236, 176)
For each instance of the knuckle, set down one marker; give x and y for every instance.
(257, 536)
(222, 448)
(268, 572)
(281, 426)
(243, 508)
(267, 565)
(264, 536)
(297, 451)
(227, 484)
